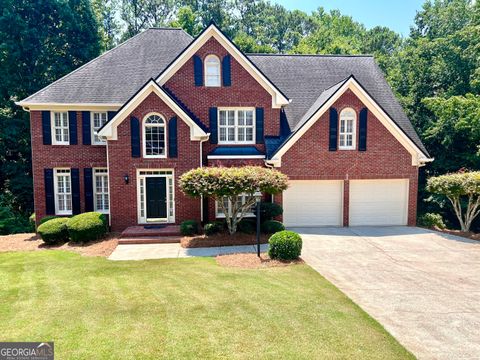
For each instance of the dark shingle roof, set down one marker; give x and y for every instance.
(305, 79)
(117, 74)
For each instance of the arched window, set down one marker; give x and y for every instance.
(212, 71)
(348, 120)
(154, 141)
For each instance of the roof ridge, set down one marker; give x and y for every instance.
(313, 55)
(84, 65)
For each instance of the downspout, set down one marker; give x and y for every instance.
(109, 188)
(202, 140)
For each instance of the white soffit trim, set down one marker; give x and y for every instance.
(278, 99)
(417, 155)
(110, 129)
(70, 106)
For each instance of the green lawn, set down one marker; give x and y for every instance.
(184, 308)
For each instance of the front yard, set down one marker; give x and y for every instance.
(188, 308)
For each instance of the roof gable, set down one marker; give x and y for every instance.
(109, 129)
(278, 98)
(327, 99)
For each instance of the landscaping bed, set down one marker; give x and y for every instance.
(221, 239)
(466, 234)
(252, 261)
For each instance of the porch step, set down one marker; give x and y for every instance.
(149, 240)
(149, 232)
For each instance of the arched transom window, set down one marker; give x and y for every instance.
(154, 141)
(212, 71)
(346, 139)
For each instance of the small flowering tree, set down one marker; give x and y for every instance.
(222, 183)
(463, 191)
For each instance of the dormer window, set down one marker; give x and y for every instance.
(212, 71)
(348, 120)
(154, 141)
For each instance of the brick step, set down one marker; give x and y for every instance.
(140, 231)
(150, 240)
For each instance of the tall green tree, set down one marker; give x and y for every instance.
(40, 41)
(106, 12)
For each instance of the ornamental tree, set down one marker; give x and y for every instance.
(463, 191)
(228, 183)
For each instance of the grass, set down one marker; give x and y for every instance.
(181, 309)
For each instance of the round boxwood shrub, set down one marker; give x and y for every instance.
(272, 226)
(431, 220)
(189, 227)
(211, 228)
(87, 226)
(247, 226)
(49, 217)
(54, 231)
(285, 245)
(269, 210)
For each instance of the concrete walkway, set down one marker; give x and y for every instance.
(172, 251)
(422, 286)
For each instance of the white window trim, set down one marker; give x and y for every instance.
(52, 127)
(93, 142)
(95, 189)
(221, 215)
(144, 143)
(55, 192)
(169, 174)
(211, 56)
(236, 109)
(354, 129)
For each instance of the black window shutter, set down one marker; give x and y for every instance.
(72, 127)
(198, 70)
(49, 192)
(259, 125)
(111, 114)
(46, 128)
(332, 144)
(213, 115)
(135, 136)
(75, 176)
(226, 70)
(86, 130)
(172, 138)
(88, 183)
(362, 133)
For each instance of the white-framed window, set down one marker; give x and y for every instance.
(100, 188)
(236, 126)
(98, 120)
(154, 138)
(212, 71)
(60, 131)
(348, 123)
(228, 204)
(63, 192)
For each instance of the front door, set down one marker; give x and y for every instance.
(156, 198)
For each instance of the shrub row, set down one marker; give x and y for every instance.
(79, 228)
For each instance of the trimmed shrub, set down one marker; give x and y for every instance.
(54, 231)
(49, 217)
(431, 220)
(272, 226)
(269, 211)
(31, 220)
(247, 226)
(285, 245)
(212, 228)
(87, 226)
(189, 227)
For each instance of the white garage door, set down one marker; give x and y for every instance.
(378, 202)
(313, 203)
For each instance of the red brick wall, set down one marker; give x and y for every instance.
(385, 157)
(245, 91)
(54, 156)
(123, 197)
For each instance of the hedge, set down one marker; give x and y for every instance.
(87, 227)
(285, 245)
(54, 230)
(272, 226)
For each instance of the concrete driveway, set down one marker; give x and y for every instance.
(422, 286)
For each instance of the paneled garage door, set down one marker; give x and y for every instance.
(378, 202)
(313, 203)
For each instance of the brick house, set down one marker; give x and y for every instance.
(115, 135)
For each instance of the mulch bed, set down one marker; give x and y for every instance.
(221, 239)
(468, 234)
(251, 261)
(32, 242)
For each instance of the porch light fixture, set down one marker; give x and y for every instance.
(126, 178)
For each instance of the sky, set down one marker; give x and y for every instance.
(398, 15)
